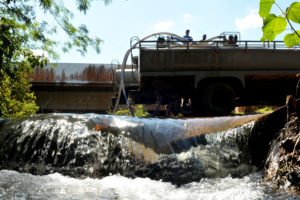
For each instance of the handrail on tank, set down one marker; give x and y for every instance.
(246, 44)
(129, 51)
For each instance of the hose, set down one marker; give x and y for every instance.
(135, 38)
(122, 81)
(122, 87)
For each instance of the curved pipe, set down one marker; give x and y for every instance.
(122, 87)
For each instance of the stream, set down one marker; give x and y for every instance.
(71, 156)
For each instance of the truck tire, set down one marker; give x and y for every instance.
(218, 99)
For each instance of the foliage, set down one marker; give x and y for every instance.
(273, 26)
(24, 13)
(276, 24)
(16, 61)
(254, 109)
(21, 32)
(264, 110)
(265, 7)
(16, 99)
(139, 111)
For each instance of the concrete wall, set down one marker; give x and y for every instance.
(74, 87)
(77, 100)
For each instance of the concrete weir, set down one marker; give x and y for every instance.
(179, 151)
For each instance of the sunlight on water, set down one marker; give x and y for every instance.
(14, 185)
(176, 151)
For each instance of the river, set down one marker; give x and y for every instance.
(63, 156)
(24, 186)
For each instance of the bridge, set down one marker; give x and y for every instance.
(74, 87)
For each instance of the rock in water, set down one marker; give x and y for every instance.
(283, 164)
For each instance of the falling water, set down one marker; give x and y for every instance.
(195, 158)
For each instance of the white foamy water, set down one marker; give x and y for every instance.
(17, 186)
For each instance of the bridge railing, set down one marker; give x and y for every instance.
(215, 44)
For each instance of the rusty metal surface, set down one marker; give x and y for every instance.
(74, 87)
(74, 73)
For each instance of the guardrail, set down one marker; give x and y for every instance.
(217, 44)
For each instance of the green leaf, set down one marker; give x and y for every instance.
(269, 18)
(273, 26)
(293, 12)
(265, 7)
(107, 2)
(291, 40)
(263, 38)
(83, 5)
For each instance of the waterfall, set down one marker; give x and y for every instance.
(175, 150)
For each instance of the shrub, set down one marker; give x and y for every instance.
(139, 111)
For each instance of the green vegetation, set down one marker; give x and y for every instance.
(139, 111)
(264, 110)
(21, 32)
(16, 99)
(238, 113)
(254, 109)
(276, 24)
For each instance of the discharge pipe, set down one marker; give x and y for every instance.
(122, 86)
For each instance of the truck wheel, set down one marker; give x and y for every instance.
(218, 99)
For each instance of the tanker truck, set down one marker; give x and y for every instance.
(210, 76)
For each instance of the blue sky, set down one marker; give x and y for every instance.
(117, 22)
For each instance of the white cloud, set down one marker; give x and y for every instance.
(251, 21)
(188, 17)
(163, 26)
